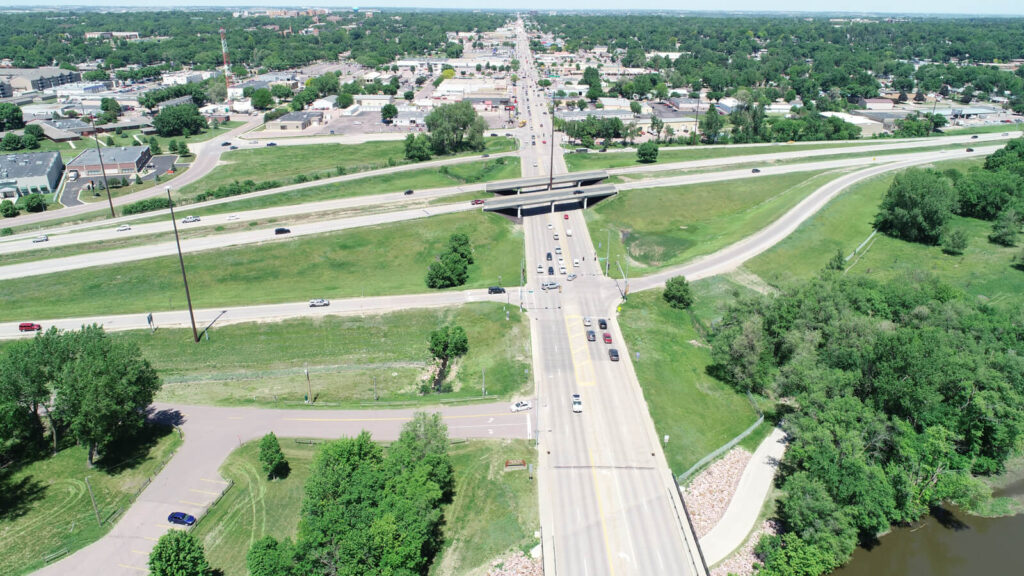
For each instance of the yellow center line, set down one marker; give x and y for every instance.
(398, 418)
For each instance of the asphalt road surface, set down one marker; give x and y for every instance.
(191, 480)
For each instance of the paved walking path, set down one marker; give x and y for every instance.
(740, 517)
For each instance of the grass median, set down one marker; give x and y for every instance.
(352, 360)
(660, 227)
(600, 161)
(493, 511)
(372, 261)
(984, 269)
(696, 411)
(284, 163)
(45, 504)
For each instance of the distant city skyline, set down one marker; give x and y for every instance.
(950, 7)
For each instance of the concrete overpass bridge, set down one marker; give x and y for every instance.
(540, 183)
(535, 201)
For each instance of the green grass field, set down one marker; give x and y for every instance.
(1012, 129)
(493, 511)
(127, 137)
(348, 358)
(599, 161)
(284, 163)
(45, 504)
(985, 269)
(370, 261)
(665, 226)
(696, 411)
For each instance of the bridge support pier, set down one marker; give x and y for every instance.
(519, 212)
(584, 202)
(552, 207)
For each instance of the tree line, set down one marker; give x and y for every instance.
(79, 385)
(895, 395)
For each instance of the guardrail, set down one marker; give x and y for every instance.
(54, 555)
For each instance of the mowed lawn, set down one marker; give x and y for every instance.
(985, 269)
(664, 226)
(372, 261)
(127, 137)
(284, 163)
(349, 358)
(698, 412)
(45, 506)
(493, 511)
(594, 160)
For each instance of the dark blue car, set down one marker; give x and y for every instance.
(181, 518)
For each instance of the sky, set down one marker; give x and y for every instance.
(961, 7)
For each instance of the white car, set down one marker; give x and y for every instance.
(558, 249)
(233, 217)
(556, 235)
(319, 302)
(561, 269)
(550, 226)
(190, 219)
(521, 405)
(577, 403)
(540, 268)
(570, 277)
(42, 238)
(568, 233)
(587, 321)
(575, 262)
(124, 228)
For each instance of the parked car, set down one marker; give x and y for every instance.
(521, 405)
(190, 219)
(477, 202)
(181, 518)
(613, 354)
(29, 327)
(607, 337)
(495, 290)
(570, 277)
(124, 228)
(41, 238)
(280, 231)
(577, 403)
(319, 303)
(602, 323)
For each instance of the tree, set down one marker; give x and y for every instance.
(711, 125)
(677, 292)
(35, 203)
(110, 141)
(917, 206)
(454, 128)
(178, 553)
(388, 113)
(111, 109)
(954, 242)
(154, 146)
(647, 152)
(447, 271)
(1005, 228)
(179, 120)
(417, 147)
(103, 389)
(29, 141)
(268, 557)
(11, 142)
(459, 244)
(634, 107)
(34, 130)
(10, 117)
(837, 262)
(272, 458)
(8, 209)
(280, 91)
(447, 343)
(262, 99)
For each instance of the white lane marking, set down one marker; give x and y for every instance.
(529, 429)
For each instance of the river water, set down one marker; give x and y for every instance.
(947, 543)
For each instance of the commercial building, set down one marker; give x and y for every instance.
(238, 90)
(116, 161)
(372, 102)
(66, 129)
(22, 174)
(296, 121)
(25, 79)
(325, 103)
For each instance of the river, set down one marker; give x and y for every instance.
(949, 542)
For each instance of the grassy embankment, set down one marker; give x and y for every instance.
(493, 511)
(372, 261)
(45, 506)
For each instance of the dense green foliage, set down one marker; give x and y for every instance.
(147, 205)
(455, 128)
(35, 203)
(820, 60)
(178, 553)
(272, 458)
(36, 39)
(897, 393)
(368, 513)
(88, 385)
(10, 117)
(917, 206)
(647, 152)
(452, 267)
(153, 98)
(180, 120)
(677, 292)
(446, 344)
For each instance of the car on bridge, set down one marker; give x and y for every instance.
(607, 337)
(591, 336)
(613, 354)
(181, 518)
(577, 404)
(521, 406)
(602, 323)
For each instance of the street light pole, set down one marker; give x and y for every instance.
(106, 186)
(608, 251)
(181, 260)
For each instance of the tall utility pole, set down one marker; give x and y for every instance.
(181, 260)
(551, 161)
(224, 50)
(106, 186)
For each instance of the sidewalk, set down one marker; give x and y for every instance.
(741, 516)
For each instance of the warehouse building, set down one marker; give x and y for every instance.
(22, 174)
(117, 161)
(294, 121)
(26, 79)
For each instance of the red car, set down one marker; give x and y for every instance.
(477, 202)
(607, 338)
(565, 216)
(29, 327)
